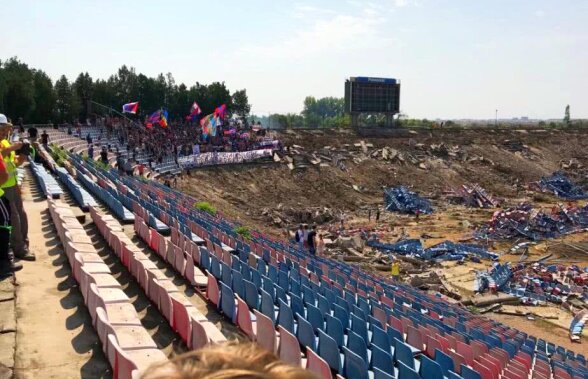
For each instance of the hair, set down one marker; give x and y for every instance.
(231, 360)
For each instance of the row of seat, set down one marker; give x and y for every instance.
(113, 203)
(80, 195)
(128, 346)
(47, 182)
(192, 326)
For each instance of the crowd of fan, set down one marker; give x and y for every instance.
(177, 139)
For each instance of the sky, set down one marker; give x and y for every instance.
(454, 58)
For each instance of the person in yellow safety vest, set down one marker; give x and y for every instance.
(19, 221)
(7, 264)
(395, 269)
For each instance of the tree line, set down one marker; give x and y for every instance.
(30, 94)
(326, 112)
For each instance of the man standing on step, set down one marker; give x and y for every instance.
(20, 226)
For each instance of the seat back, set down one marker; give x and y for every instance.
(430, 369)
(354, 366)
(266, 332)
(329, 351)
(289, 349)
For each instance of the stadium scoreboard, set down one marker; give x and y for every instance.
(372, 95)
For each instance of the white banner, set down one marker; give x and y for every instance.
(212, 159)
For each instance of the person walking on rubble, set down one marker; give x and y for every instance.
(320, 245)
(300, 237)
(395, 269)
(311, 240)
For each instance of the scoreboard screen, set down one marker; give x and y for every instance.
(377, 95)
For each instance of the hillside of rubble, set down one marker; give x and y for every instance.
(322, 175)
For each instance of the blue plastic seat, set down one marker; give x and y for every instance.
(469, 373)
(372, 321)
(268, 286)
(251, 294)
(267, 306)
(359, 326)
(445, 361)
(430, 369)
(304, 332)
(357, 344)
(215, 268)
(329, 351)
(297, 304)
(237, 283)
(405, 372)
(280, 293)
(283, 280)
(246, 272)
(261, 267)
(380, 339)
(335, 329)
(379, 374)
(227, 302)
(394, 334)
(354, 366)
(272, 273)
(453, 375)
(308, 295)
(315, 317)
(286, 317)
(256, 278)
(403, 354)
(226, 274)
(205, 259)
(343, 316)
(323, 304)
(382, 359)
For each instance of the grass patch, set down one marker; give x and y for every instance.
(244, 232)
(205, 207)
(59, 155)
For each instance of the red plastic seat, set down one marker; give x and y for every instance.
(124, 362)
(484, 371)
(466, 351)
(212, 290)
(316, 364)
(266, 334)
(244, 321)
(289, 348)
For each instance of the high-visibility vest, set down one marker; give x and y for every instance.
(10, 166)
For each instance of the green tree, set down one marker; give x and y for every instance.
(83, 90)
(241, 106)
(567, 118)
(18, 98)
(67, 106)
(44, 97)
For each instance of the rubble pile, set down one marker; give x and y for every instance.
(400, 199)
(519, 148)
(287, 216)
(472, 196)
(444, 251)
(560, 185)
(296, 158)
(527, 222)
(537, 283)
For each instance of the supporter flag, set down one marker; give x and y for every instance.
(205, 124)
(221, 111)
(153, 119)
(163, 119)
(131, 107)
(195, 112)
